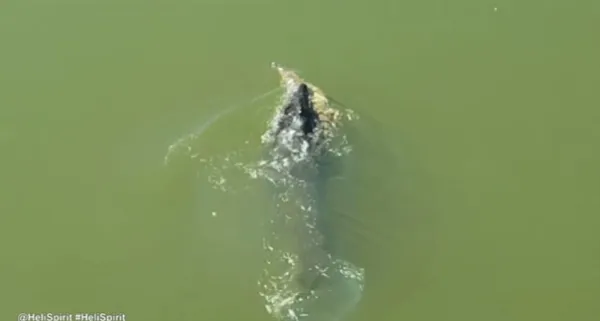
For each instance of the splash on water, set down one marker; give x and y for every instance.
(293, 244)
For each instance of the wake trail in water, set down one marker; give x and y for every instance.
(303, 278)
(184, 142)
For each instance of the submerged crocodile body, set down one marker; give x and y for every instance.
(305, 277)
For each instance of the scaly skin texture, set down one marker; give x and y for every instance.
(328, 116)
(313, 253)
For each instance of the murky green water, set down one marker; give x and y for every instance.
(475, 184)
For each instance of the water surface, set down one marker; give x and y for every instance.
(475, 176)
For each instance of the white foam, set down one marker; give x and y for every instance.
(295, 214)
